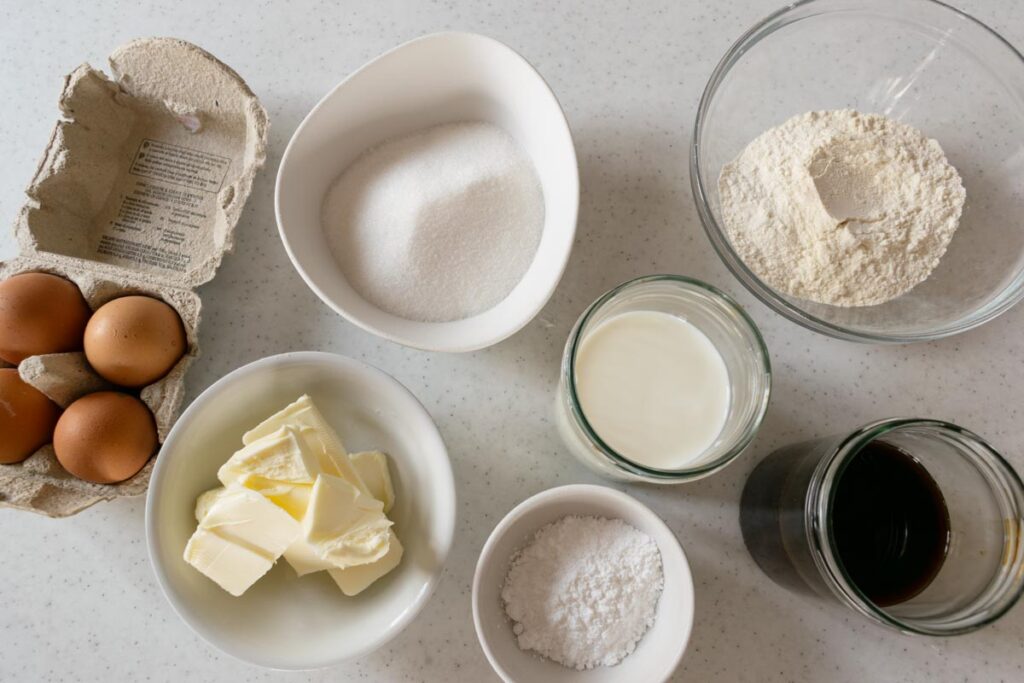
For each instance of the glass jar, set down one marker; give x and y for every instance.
(786, 515)
(729, 329)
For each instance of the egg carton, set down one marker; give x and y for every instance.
(138, 192)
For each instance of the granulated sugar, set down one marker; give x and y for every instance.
(584, 591)
(438, 225)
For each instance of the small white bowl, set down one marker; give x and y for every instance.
(284, 621)
(661, 649)
(439, 78)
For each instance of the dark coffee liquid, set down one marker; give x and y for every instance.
(889, 521)
(890, 524)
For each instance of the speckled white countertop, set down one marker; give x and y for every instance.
(78, 600)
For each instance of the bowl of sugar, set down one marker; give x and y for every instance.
(431, 197)
(583, 584)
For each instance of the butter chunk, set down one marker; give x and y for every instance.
(231, 566)
(354, 580)
(333, 462)
(372, 468)
(293, 499)
(240, 536)
(248, 519)
(301, 413)
(206, 500)
(304, 417)
(304, 559)
(281, 456)
(346, 526)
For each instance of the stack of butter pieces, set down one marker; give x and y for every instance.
(293, 491)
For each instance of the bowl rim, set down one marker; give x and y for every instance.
(510, 326)
(616, 499)
(1010, 295)
(178, 603)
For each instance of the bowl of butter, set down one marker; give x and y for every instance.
(301, 511)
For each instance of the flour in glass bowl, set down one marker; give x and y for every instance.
(438, 225)
(584, 591)
(841, 207)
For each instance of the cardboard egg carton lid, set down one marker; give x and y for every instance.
(138, 192)
(147, 172)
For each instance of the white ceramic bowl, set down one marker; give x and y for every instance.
(661, 649)
(283, 621)
(439, 78)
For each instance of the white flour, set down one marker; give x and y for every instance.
(437, 225)
(584, 591)
(840, 207)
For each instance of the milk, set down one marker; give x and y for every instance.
(653, 387)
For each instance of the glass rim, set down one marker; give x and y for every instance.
(819, 507)
(1011, 294)
(576, 410)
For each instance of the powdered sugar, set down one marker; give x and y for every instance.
(584, 591)
(840, 207)
(438, 225)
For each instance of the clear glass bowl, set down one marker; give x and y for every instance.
(733, 334)
(920, 62)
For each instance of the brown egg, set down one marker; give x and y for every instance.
(105, 437)
(134, 341)
(40, 313)
(27, 418)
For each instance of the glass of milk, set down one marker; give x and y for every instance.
(664, 379)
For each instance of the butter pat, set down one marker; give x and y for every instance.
(322, 441)
(240, 536)
(232, 567)
(280, 457)
(247, 518)
(294, 500)
(333, 462)
(282, 466)
(345, 526)
(354, 580)
(301, 413)
(304, 559)
(206, 500)
(372, 468)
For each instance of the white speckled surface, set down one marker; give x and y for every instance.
(79, 601)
